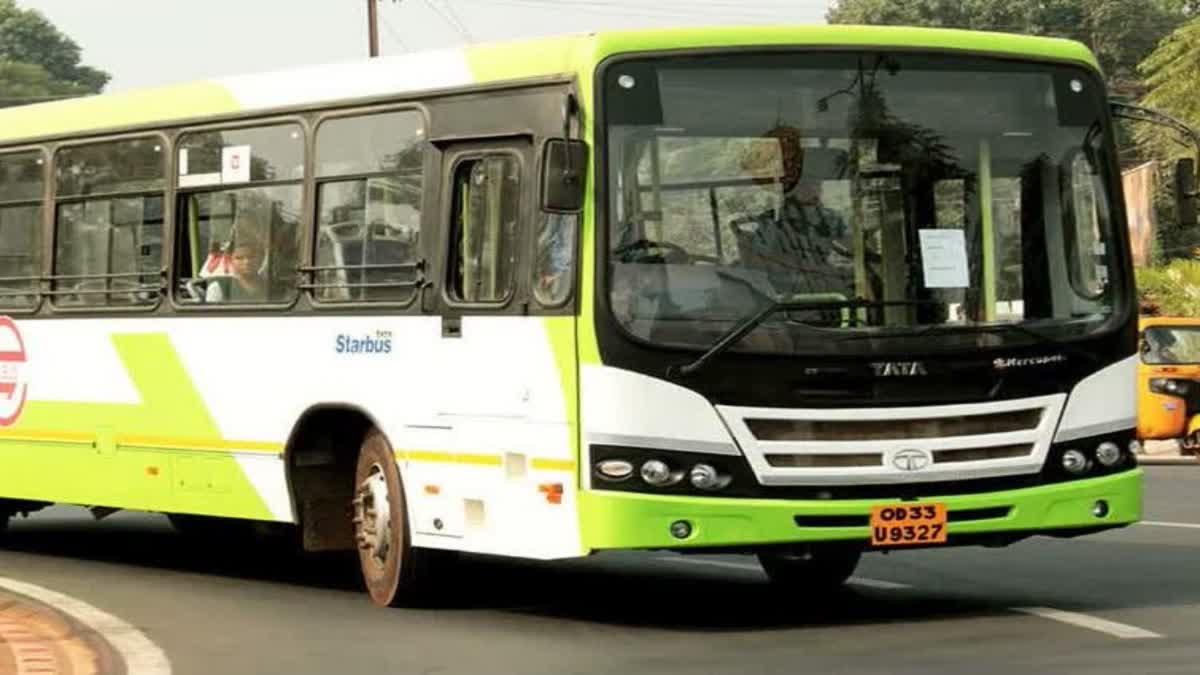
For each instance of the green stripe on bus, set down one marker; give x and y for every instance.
(116, 110)
(107, 472)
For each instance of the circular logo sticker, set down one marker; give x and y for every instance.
(14, 372)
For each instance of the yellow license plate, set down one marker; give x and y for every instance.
(908, 524)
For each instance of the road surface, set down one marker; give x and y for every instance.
(1120, 602)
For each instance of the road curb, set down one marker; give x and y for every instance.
(1165, 460)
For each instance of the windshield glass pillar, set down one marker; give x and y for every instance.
(988, 228)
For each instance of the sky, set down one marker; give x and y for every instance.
(146, 43)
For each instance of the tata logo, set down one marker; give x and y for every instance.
(899, 369)
(911, 459)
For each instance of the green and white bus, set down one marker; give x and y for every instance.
(802, 292)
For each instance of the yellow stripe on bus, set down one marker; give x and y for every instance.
(153, 442)
(553, 464)
(480, 460)
(52, 436)
(451, 458)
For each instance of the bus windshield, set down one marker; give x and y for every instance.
(918, 200)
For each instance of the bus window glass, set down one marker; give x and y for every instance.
(382, 142)
(21, 176)
(221, 157)
(368, 235)
(554, 258)
(20, 254)
(486, 207)
(239, 246)
(134, 165)
(21, 188)
(739, 180)
(1088, 273)
(108, 252)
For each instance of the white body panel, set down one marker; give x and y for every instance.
(495, 393)
(1103, 402)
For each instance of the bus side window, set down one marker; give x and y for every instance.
(21, 183)
(108, 249)
(370, 186)
(483, 246)
(238, 242)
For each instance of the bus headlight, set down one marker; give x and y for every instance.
(1075, 462)
(1108, 453)
(706, 477)
(656, 472)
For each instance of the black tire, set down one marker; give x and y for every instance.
(1190, 444)
(395, 573)
(816, 569)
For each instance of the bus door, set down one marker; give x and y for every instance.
(488, 357)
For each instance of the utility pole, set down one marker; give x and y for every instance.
(372, 28)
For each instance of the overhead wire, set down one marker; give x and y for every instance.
(462, 27)
(457, 26)
(394, 33)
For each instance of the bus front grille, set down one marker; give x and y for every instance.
(862, 446)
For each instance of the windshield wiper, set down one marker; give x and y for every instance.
(740, 331)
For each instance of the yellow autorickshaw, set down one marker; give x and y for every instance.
(1169, 381)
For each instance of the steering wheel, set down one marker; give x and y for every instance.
(675, 251)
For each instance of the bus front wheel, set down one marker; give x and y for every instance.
(395, 573)
(812, 569)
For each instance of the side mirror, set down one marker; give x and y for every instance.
(564, 170)
(1185, 192)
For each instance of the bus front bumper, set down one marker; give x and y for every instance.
(622, 520)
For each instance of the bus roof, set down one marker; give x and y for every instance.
(476, 64)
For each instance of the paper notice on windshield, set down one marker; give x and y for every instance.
(944, 258)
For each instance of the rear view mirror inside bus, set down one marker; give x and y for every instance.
(564, 169)
(1185, 192)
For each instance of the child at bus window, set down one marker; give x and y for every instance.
(246, 284)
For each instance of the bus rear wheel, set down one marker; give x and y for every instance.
(395, 573)
(811, 569)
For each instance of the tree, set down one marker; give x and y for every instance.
(1172, 77)
(1121, 32)
(37, 61)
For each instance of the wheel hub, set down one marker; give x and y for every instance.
(373, 516)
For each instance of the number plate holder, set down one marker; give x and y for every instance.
(913, 524)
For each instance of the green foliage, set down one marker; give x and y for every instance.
(1172, 75)
(1121, 32)
(38, 62)
(1171, 290)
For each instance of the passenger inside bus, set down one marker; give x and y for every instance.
(246, 284)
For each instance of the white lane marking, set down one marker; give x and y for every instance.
(876, 583)
(140, 654)
(858, 581)
(1163, 523)
(1120, 630)
(712, 563)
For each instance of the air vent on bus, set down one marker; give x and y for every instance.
(814, 461)
(897, 429)
(980, 454)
